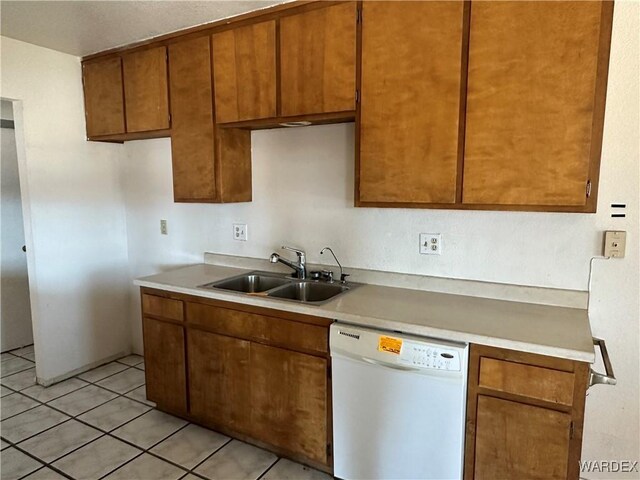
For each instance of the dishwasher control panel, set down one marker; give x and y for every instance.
(423, 355)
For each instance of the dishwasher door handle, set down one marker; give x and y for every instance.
(607, 378)
(389, 365)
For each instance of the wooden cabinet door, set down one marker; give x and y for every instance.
(192, 131)
(219, 379)
(289, 400)
(244, 71)
(209, 164)
(515, 440)
(165, 364)
(318, 60)
(103, 97)
(411, 82)
(145, 90)
(531, 120)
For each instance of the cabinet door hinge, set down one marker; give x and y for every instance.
(358, 15)
(328, 449)
(329, 371)
(571, 431)
(588, 188)
(357, 96)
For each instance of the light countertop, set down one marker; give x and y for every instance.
(542, 329)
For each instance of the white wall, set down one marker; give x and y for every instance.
(303, 195)
(74, 214)
(612, 425)
(15, 309)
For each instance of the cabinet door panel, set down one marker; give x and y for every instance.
(318, 60)
(289, 400)
(219, 379)
(192, 131)
(410, 102)
(145, 90)
(103, 98)
(165, 365)
(515, 440)
(530, 103)
(244, 70)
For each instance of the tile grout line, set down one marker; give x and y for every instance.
(210, 455)
(103, 434)
(75, 417)
(269, 468)
(20, 371)
(147, 451)
(110, 434)
(39, 460)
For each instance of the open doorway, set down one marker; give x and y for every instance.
(16, 331)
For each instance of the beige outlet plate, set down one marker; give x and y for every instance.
(615, 243)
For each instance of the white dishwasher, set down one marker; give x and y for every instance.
(398, 405)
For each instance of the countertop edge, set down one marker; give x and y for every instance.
(374, 322)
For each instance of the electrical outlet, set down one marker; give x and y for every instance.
(615, 243)
(430, 243)
(240, 231)
(163, 227)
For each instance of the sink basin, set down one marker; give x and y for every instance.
(250, 283)
(308, 292)
(279, 286)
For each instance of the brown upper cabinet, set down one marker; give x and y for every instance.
(411, 85)
(491, 105)
(146, 93)
(535, 103)
(244, 72)
(318, 60)
(209, 164)
(127, 94)
(103, 97)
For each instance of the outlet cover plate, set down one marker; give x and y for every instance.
(240, 231)
(430, 243)
(615, 243)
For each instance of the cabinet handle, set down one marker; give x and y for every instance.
(607, 378)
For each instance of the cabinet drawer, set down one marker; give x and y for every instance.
(261, 328)
(162, 307)
(527, 380)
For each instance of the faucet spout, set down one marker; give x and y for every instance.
(343, 275)
(300, 268)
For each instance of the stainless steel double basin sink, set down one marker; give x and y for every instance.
(280, 286)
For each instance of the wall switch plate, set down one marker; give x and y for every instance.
(240, 231)
(615, 242)
(430, 243)
(163, 227)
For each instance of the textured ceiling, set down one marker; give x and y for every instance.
(82, 27)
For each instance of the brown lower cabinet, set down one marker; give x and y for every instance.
(257, 374)
(165, 364)
(220, 379)
(289, 400)
(525, 415)
(263, 376)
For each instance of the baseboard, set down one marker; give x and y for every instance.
(47, 382)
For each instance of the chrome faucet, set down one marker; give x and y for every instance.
(300, 268)
(343, 275)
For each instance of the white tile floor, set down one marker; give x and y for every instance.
(99, 425)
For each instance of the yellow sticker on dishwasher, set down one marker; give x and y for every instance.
(389, 345)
